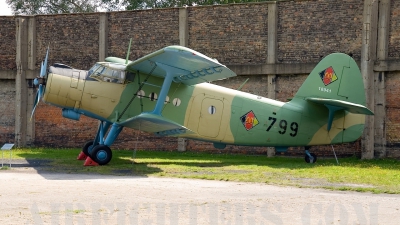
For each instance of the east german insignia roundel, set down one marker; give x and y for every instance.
(249, 120)
(328, 76)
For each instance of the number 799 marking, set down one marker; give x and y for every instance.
(294, 127)
(273, 122)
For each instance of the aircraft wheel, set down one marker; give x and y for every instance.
(101, 154)
(308, 160)
(88, 148)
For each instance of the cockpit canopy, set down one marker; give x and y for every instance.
(109, 72)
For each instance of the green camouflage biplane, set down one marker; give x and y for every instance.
(168, 93)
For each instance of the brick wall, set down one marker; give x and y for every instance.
(392, 93)
(287, 86)
(150, 30)
(7, 111)
(392, 81)
(310, 30)
(73, 39)
(7, 43)
(7, 87)
(234, 34)
(394, 35)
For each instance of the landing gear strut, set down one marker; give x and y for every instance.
(98, 150)
(310, 157)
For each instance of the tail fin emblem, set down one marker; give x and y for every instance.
(249, 120)
(328, 76)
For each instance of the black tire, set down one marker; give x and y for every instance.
(101, 154)
(88, 148)
(307, 158)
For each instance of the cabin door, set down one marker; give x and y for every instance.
(210, 117)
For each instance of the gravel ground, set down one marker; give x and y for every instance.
(29, 196)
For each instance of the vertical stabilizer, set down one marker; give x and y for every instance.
(337, 77)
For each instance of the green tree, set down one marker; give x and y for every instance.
(148, 4)
(32, 7)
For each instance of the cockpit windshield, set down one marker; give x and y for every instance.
(109, 72)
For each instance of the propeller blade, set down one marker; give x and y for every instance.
(39, 94)
(39, 81)
(43, 67)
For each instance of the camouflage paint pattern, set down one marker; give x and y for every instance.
(224, 116)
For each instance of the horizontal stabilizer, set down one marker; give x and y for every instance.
(348, 106)
(156, 124)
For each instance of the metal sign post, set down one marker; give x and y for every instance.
(9, 147)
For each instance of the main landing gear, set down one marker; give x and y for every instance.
(98, 152)
(310, 157)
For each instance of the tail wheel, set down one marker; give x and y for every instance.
(309, 160)
(88, 148)
(101, 154)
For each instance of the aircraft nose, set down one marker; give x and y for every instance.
(64, 86)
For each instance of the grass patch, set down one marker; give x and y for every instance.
(4, 168)
(377, 176)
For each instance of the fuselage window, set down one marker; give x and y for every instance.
(153, 96)
(108, 72)
(140, 94)
(176, 101)
(212, 110)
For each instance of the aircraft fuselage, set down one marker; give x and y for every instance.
(214, 113)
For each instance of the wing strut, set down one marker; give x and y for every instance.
(134, 96)
(171, 73)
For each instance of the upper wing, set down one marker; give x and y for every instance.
(156, 124)
(193, 67)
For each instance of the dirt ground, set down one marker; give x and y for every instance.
(29, 196)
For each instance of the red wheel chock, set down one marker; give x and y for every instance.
(90, 162)
(82, 156)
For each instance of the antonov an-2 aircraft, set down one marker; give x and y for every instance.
(168, 93)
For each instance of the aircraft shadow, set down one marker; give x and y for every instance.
(125, 166)
(285, 162)
(74, 169)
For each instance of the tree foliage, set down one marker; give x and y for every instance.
(32, 7)
(148, 4)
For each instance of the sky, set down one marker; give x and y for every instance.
(4, 9)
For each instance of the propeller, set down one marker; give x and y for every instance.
(40, 82)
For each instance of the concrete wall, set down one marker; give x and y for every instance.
(274, 44)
